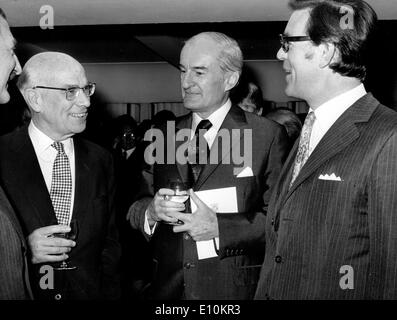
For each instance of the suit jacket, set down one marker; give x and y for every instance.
(97, 252)
(14, 278)
(337, 239)
(178, 273)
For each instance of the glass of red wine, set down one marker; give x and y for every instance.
(71, 235)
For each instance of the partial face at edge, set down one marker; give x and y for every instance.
(9, 64)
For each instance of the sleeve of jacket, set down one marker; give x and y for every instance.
(112, 250)
(244, 232)
(12, 283)
(382, 220)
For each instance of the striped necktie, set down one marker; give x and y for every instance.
(304, 144)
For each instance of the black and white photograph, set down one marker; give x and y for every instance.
(197, 159)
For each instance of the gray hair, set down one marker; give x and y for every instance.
(230, 55)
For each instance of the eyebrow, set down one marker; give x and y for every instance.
(195, 68)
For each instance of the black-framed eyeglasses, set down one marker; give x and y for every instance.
(73, 92)
(285, 40)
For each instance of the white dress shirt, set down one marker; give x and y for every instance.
(46, 156)
(330, 111)
(216, 118)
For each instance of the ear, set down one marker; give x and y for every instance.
(329, 54)
(33, 99)
(231, 80)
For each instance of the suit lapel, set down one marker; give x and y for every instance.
(341, 134)
(235, 119)
(83, 180)
(31, 177)
(184, 123)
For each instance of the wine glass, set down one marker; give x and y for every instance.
(71, 235)
(181, 195)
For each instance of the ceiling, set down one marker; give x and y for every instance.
(22, 13)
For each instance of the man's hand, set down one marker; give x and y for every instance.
(201, 224)
(161, 209)
(46, 248)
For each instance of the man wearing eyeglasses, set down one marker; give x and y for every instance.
(331, 228)
(52, 177)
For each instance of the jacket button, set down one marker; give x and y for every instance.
(58, 296)
(272, 223)
(278, 259)
(186, 236)
(188, 265)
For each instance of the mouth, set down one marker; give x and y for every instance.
(287, 73)
(79, 115)
(189, 93)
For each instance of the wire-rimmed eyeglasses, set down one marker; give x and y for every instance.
(73, 92)
(285, 40)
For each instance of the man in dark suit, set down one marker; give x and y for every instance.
(332, 224)
(52, 177)
(231, 244)
(14, 282)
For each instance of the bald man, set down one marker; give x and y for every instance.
(54, 178)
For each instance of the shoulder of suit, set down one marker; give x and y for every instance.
(385, 116)
(7, 139)
(262, 122)
(92, 147)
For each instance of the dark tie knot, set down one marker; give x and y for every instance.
(58, 146)
(203, 125)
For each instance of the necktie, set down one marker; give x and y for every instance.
(61, 185)
(303, 149)
(200, 150)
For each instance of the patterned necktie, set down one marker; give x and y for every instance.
(61, 185)
(304, 143)
(200, 150)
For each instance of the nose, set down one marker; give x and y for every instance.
(185, 79)
(17, 68)
(281, 54)
(82, 100)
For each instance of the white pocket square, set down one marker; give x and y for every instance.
(331, 177)
(246, 172)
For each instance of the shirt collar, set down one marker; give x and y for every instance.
(216, 117)
(330, 111)
(42, 142)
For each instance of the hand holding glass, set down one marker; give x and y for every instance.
(181, 195)
(71, 235)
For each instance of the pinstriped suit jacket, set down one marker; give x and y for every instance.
(319, 226)
(14, 281)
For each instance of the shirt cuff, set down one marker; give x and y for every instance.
(216, 243)
(149, 231)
